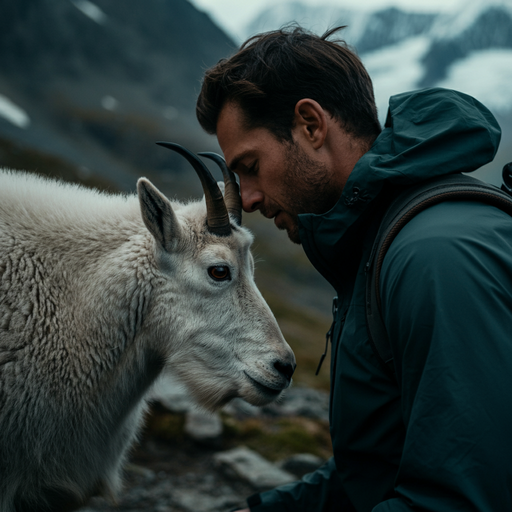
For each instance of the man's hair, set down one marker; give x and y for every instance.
(273, 71)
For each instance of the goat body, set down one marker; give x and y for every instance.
(98, 295)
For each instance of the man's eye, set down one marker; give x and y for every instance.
(219, 273)
(252, 170)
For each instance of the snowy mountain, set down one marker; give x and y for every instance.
(365, 30)
(406, 50)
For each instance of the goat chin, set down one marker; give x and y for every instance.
(213, 394)
(213, 402)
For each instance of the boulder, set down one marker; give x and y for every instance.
(301, 463)
(204, 427)
(249, 466)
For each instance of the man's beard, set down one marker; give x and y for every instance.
(309, 188)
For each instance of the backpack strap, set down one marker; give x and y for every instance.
(407, 205)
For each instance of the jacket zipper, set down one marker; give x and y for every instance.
(330, 332)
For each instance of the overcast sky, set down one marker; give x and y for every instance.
(230, 13)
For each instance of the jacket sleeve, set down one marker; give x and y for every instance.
(320, 491)
(446, 288)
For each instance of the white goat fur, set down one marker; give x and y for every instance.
(93, 306)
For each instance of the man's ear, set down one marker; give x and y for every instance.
(158, 215)
(310, 122)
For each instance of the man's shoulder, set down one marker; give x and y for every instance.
(450, 230)
(453, 220)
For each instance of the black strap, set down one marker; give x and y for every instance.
(407, 205)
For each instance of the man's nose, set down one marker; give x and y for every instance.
(252, 197)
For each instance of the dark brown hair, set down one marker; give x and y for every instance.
(273, 71)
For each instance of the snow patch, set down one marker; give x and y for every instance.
(487, 76)
(395, 69)
(14, 114)
(109, 103)
(465, 16)
(91, 10)
(317, 19)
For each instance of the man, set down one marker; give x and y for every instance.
(295, 117)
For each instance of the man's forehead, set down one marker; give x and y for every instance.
(230, 110)
(233, 135)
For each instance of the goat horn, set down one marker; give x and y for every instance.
(216, 212)
(232, 193)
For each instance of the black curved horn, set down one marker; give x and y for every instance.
(232, 194)
(216, 211)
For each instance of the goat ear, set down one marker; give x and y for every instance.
(157, 214)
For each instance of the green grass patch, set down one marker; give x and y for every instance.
(277, 439)
(164, 425)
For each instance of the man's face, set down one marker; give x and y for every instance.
(278, 178)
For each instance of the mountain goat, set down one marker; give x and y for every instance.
(98, 294)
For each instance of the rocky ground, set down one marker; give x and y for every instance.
(188, 460)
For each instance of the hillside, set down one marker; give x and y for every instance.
(100, 82)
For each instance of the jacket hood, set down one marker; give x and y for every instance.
(428, 133)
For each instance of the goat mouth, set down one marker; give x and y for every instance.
(262, 387)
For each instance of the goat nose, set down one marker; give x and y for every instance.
(285, 368)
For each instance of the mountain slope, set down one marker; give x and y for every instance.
(154, 42)
(100, 82)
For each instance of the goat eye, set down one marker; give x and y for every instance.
(219, 273)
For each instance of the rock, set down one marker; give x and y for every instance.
(301, 463)
(144, 473)
(204, 428)
(194, 501)
(171, 394)
(241, 409)
(163, 508)
(300, 401)
(251, 467)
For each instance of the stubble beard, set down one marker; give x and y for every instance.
(310, 189)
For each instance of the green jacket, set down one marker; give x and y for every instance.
(438, 436)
